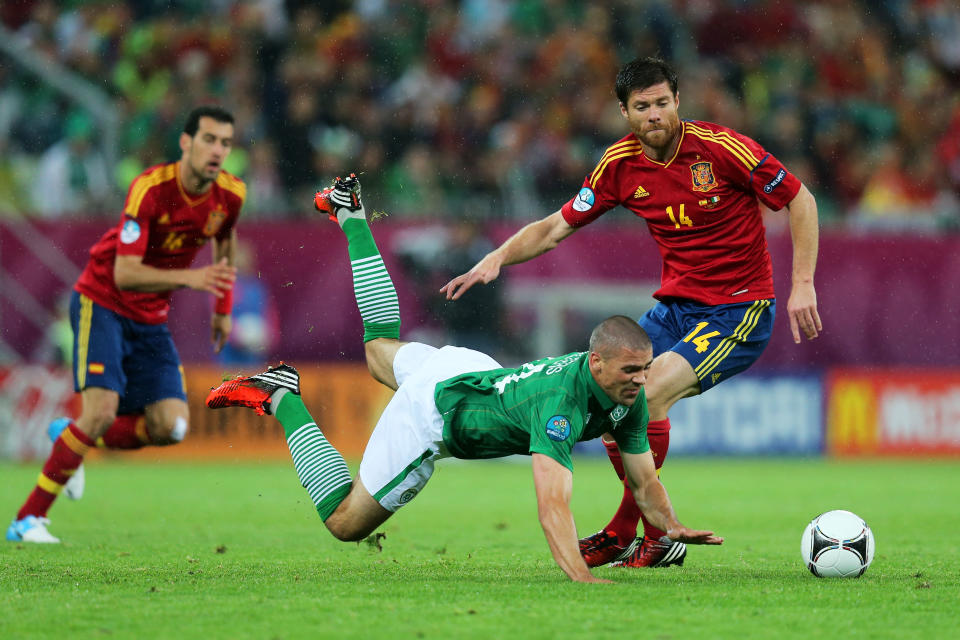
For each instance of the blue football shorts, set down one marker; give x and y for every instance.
(719, 341)
(138, 361)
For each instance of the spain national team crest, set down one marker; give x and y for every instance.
(703, 178)
(214, 222)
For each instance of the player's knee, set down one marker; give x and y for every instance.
(348, 534)
(97, 420)
(343, 534)
(380, 353)
(345, 528)
(169, 431)
(659, 401)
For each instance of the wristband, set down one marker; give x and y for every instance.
(224, 305)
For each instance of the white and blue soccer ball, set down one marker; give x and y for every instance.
(837, 544)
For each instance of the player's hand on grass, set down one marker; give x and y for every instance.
(693, 536)
(594, 580)
(214, 278)
(220, 328)
(483, 272)
(802, 310)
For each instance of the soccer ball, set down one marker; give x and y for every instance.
(837, 544)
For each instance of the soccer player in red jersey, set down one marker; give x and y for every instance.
(126, 366)
(698, 186)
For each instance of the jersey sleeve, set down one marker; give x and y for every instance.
(555, 429)
(759, 170)
(227, 227)
(138, 213)
(631, 433)
(236, 196)
(599, 192)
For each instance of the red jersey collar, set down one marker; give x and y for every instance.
(683, 132)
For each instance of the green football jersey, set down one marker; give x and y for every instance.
(545, 406)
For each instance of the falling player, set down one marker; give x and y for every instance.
(698, 186)
(455, 402)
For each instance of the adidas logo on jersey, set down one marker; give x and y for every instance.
(640, 192)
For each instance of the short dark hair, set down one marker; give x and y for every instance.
(206, 111)
(616, 333)
(642, 73)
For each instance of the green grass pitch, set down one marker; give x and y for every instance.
(172, 550)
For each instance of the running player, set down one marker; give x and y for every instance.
(126, 366)
(454, 402)
(698, 186)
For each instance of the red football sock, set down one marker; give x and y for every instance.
(613, 452)
(66, 456)
(128, 431)
(658, 433)
(624, 521)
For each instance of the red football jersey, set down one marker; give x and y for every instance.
(701, 207)
(166, 226)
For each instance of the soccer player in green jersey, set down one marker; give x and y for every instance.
(455, 402)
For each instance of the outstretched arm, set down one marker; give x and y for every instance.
(222, 323)
(652, 499)
(131, 274)
(534, 239)
(554, 485)
(804, 231)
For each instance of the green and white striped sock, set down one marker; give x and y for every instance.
(320, 467)
(372, 286)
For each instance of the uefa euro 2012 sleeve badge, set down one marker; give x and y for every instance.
(558, 428)
(702, 175)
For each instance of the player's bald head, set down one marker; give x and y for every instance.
(617, 333)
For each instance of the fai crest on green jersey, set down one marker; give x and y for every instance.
(618, 412)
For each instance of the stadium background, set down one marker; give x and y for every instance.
(468, 119)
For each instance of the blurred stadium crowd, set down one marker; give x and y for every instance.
(490, 109)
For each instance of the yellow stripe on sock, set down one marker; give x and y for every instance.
(74, 443)
(49, 485)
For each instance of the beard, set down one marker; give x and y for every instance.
(660, 137)
(203, 172)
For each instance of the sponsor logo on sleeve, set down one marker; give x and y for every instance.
(777, 179)
(130, 232)
(408, 495)
(584, 200)
(558, 428)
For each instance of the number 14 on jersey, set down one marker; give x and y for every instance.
(682, 219)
